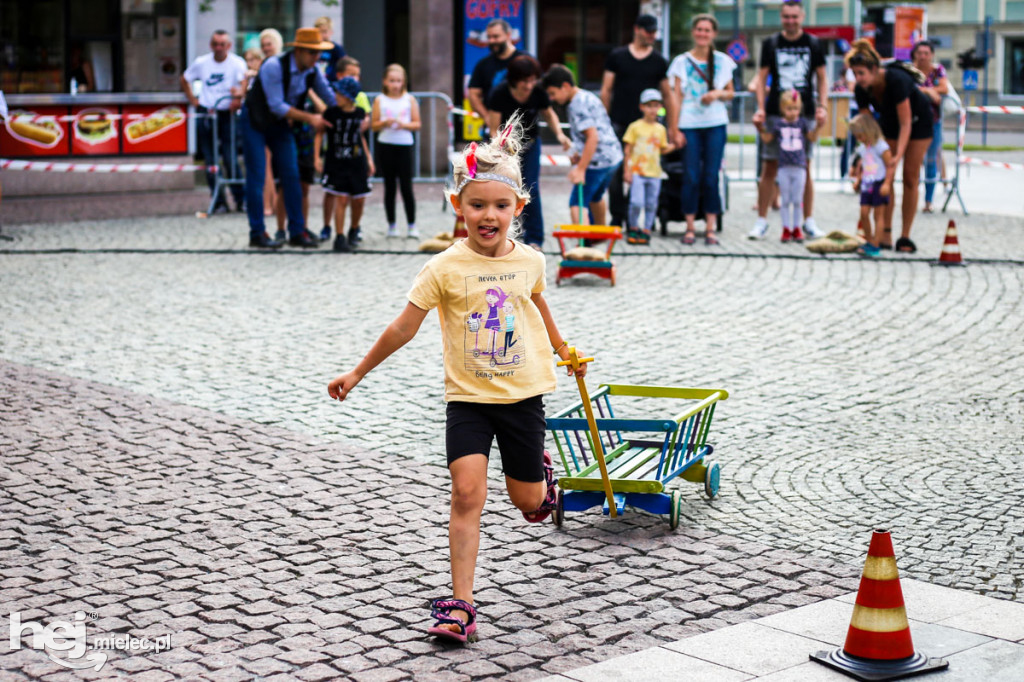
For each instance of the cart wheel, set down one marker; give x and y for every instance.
(675, 509)
(711, 477)
(559, 516)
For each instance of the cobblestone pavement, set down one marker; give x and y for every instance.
(173, 463)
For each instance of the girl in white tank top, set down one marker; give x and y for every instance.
(395, 116)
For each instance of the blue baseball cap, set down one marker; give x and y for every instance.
(347, 87)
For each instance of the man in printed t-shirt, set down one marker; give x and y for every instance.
(492, 69)
(795, 61)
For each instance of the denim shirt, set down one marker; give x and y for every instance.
(270, 79)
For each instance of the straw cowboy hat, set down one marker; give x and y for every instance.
(309, 38)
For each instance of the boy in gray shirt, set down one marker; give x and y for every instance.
(595, 150)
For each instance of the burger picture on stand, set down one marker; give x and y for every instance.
(94, 131)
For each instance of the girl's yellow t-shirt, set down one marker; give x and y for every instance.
(496, 348)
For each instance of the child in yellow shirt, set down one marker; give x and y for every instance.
(646, 140)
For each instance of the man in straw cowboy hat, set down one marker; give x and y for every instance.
(275, 99)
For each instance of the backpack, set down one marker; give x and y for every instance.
(261, 118)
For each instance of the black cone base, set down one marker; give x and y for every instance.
(870, 670)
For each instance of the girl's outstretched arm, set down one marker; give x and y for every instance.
(557, 342)
(398, 333)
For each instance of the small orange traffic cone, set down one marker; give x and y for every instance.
(459, 231)
(950, 248)
(878, 644)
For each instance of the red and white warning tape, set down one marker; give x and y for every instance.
(996, 110)
(992, 164)
(62, 167)
(557, 160)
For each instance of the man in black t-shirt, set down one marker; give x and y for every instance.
(795, 61)
(521, 92)
(491, 70)
(628, 71)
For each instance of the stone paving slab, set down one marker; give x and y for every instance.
(776, 648)
(265, 552)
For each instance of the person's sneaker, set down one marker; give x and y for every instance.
(341, 244)
(263, 241)
(413, 232)
(787, 235)
(305, 240)
(325, 233)
(354, 236)
(280, 236)
(811, 229)
(392, 231)
(870, 250)
(798, 235)
(759, 230)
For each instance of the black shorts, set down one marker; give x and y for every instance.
(347, 178)
(306, 174)
(519, 428)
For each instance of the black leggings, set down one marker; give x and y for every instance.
(395, 162)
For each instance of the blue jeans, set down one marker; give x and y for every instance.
(281, 142)
(225, 158)
(532, 220)
(643, 197)
(931, 162)
(702, 157)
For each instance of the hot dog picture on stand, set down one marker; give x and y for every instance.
(43, 132)
(159, 122)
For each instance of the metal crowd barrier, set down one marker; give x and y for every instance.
(825, 164)
(431, 147)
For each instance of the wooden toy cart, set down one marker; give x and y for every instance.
(572, 265)
(640, 456)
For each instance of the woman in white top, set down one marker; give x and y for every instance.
(701, 85)
(395, 115)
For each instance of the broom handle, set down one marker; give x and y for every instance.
(575, 361)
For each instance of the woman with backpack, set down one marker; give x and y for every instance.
(905, 116)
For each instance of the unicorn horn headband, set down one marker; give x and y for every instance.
(471, 167)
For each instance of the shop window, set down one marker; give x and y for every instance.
(256, 15)
(153, 40)
(32, 46)
(1013, 67)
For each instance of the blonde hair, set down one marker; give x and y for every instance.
(499, 157)
(864, 124)
(253, 52)
(323, 22)
(275, 38)
(862, 53)
(399, 68)
(787, 97)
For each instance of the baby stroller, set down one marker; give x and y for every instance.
(670, 199)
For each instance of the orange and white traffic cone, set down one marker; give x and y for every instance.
(878, 644)
(459, 231)
(951, 248)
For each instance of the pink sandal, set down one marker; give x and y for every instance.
(441, 611)
(544, 510)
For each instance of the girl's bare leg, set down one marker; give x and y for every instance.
(357, 210)
(598, 209)
(865, 224)
(268, 190)
(912, 162)
(526, 496)
(469, 492)
(340, 204)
